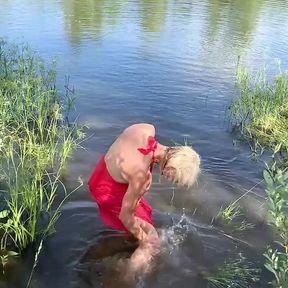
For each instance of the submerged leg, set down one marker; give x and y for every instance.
(140, 260)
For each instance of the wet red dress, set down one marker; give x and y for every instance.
(109, 194)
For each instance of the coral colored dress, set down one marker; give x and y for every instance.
(109, 193)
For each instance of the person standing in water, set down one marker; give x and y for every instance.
(124, 174)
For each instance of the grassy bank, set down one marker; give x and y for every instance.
(260, 114)
(261, 111)
(36, 139)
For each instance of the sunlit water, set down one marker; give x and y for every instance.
(171, 63)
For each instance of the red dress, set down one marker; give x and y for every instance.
(109, 194)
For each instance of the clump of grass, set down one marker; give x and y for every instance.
(36, 139)
(229, 213)
(261, 111)
(233, 216)
(233, 274)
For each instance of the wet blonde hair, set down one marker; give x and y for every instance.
(186, 165)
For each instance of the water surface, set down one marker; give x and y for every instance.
(170, 63)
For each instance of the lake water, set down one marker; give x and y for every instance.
(170, 63)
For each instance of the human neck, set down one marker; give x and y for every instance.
(160, 153)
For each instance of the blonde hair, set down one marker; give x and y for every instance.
(186, 163)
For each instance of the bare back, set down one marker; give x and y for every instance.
(123, 159)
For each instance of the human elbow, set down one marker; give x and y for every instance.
(124, 217)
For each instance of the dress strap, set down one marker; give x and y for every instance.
(152, 146)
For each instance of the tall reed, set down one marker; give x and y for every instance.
(36, 140)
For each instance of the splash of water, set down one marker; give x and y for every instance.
(173, 236)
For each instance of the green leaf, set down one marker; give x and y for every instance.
(9, 222)
(267, 177)
(12, 253)
(4, 214)
(268, 267)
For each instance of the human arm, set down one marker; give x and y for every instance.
(136, 189)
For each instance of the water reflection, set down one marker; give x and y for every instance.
(242, 20)
(234, 22)
(89, 18)
(92, 18)
(231, 25)
(215, 30)
(153, 14)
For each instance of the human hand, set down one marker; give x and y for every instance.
(151, 244)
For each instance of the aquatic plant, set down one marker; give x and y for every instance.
(4, 258)
(233, 215)
(233, 274)
(261, 111)
(36, 139)
(277, 192)
(35, 262)
(261, 114)
(277, 263)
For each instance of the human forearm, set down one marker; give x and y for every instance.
(132, 225)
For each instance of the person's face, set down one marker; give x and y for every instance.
(166, 170)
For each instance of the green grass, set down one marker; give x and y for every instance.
(261, 114)
(233, 274)
(36, 140)
(261, 111)
(234, 217)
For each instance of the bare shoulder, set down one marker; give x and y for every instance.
(143, 127)
(123, 160)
